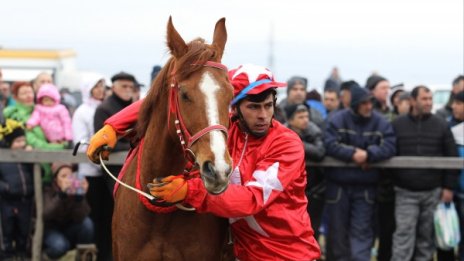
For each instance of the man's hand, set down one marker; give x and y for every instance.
(446, 195)
(106, 136)
(171, 189)
(359, 156)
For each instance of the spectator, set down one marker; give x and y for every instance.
(456, 123)
(417, 191)
(403, 105)
(362, 136)
(40, 79)
(137, 90)
(93, 93)
(314, 100)
(458, 86)
(345, 94)
(331, 101)
(21, 111)
(334, 81)
(68, 100)
(154, 72)
(16, 192)
(123, 89)
(395, 94)
(1, 99)
(66, 221)
(311, 136)
(296, 94)
(379, 86)
(51, 116)
(5, 94)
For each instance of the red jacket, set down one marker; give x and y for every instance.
(265, 201)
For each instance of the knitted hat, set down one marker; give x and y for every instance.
(347, 85)
(373, 80)
(296, 80)
(291, 109)
(10, 131)
(251, 79)
(358, 95)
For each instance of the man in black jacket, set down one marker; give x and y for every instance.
(418, 191)
(102, 211)
(311, 136)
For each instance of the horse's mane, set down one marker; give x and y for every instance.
(198, 54)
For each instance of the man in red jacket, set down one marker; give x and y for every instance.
(265, 202)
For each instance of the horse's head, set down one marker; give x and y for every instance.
(200, 97)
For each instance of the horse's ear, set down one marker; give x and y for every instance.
(176, 44)
(220, 36)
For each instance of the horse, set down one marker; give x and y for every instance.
(190, 95)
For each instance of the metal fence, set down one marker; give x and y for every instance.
(118, 158)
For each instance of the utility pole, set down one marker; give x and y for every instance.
(271, 49)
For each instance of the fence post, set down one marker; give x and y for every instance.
(38, 234)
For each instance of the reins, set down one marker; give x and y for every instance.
(151, 202)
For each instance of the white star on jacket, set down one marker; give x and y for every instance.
(268, 181)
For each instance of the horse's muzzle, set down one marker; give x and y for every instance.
(215, 182)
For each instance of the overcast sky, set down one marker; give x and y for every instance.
(404, 40)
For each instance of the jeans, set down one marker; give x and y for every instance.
(58, 241)
(350, 212)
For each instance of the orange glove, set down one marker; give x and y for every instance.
(103, 141)
(171, 189)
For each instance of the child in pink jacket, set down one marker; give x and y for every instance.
(52, 116)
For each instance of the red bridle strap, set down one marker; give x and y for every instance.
(204, 131)
(181, 130)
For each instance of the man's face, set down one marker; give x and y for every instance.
(41, 79)
(124, 89)
(257, 115)
(5, 89)
(458, 87)
(380, 92)
(403, 106)
(458, 109)
(297, 94)
(423, 103)
(345, 96)
(331, 101)
(365, 109)
(299, 120)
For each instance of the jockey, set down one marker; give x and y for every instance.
(265, 202)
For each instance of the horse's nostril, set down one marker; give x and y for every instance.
(209, 170)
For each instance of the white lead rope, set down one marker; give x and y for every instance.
(150, 197)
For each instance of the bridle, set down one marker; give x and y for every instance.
(186, 139)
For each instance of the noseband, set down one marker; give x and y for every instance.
(181, 130)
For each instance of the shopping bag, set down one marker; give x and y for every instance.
(446, 223)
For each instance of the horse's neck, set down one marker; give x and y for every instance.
(161, 154)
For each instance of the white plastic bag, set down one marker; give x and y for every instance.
(446, 223)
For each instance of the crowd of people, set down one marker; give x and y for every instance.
(351, 206)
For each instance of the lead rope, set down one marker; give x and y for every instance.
(150, 197)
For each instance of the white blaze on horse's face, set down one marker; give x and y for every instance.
(209, 87)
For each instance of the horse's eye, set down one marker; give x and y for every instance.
(185, 97)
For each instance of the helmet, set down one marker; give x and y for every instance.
(251, 79)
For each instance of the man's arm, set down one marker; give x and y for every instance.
(334, 144)
(282, 169)
(387, 147)
(125, 119)
(451, 177)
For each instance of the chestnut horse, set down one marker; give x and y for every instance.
(185, 115)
